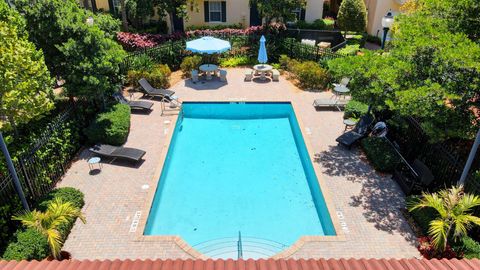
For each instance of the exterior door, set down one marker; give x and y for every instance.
(254, 16)
(177, 23)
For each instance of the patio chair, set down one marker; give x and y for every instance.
(359, 132)
(248, 74)
(344, 82)
(275, 75)
(139, 105)
(194, 75)
(131, 154)
(413, 178)
(330, 103)
(223, 75)
(149, 90)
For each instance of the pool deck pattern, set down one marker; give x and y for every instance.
(367, 204)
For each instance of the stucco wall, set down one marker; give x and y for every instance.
(103, 4)
(376, 10)
(238, 11)
(314, 10)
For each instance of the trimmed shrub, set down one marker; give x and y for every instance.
(329, 23)
(349, 50)
(380, 153)
(352, 15)
(30, 245)
(237, 61)
(355, 109)
(111, 126)
(67, 194)
(469, 247)
(318, 24)
(142, 62)
(358, 39)
(190, 63)
(310, 75)
(158, 76)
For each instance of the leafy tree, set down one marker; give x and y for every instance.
(53, 22)
(178, 7)
(50, 222)
(455, 214)
(25, 83)
(139, 10)
(352, 16)
(279, 9)
(92, 69)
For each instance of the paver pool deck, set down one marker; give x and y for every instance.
(367, 204)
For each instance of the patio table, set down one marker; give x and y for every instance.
(262, 68)
(208, 69)
(341, 90)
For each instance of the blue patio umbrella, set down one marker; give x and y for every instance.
(262, 52)
(208, 45)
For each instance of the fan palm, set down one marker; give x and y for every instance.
(455, 217)
(50, 222)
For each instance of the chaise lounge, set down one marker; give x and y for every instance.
(137, 104)
(115, 152)
(151, 91)
(330, 103)
(359, 132)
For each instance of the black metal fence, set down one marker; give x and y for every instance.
(43, 165)
(445, 162)
(300, 51)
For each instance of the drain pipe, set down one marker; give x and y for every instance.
(470, 159)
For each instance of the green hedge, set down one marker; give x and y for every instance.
(355, 109)
(380, 153)
(157, 75)
(190, 63)
(237, 61)
(469, 247)
(30, 245)
(310, 75)
(110, 127)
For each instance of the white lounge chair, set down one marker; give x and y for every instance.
(223, 75)
(275, 75)
(344, 82)
(330, 103)
(248, 74)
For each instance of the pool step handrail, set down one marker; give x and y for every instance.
(239, 246)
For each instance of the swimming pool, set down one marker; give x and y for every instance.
(238, 167)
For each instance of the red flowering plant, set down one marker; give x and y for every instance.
(135, 41)
(428, 250)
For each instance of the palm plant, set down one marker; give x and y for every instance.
(455, 217)
(51, 222)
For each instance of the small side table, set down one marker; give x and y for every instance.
(94, 161)
(349, 124)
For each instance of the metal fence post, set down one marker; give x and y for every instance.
(11, 168)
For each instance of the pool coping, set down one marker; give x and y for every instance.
(189, 249)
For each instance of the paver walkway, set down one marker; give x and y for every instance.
(367, 204)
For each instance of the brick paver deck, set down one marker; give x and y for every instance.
(367, 203)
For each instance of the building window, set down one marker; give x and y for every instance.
(298, 14)
(215, 11)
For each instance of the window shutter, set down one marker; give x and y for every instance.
(206, 11)
(302, 15)
(224, 11)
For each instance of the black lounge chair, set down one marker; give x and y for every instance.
(330, 103)
(136, 104)
(114, 152)
(359, 132)
(413, 178)
(151, 91)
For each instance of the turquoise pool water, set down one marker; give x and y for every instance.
(237, 167)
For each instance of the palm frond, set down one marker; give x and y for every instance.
(438, 231)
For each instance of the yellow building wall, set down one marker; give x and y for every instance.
(376, 10)
(103, 4)
(238, 11)
(313, 10)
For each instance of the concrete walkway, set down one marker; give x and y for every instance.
(366, 203)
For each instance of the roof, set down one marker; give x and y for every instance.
(270, 264)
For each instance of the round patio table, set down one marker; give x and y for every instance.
(262, 68)
(94, 161)
(208, 69)
(341, 90)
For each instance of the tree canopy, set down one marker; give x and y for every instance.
(25, 83)
(431, 72)
(352, 15)
(86, 56)
(279, 9)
